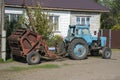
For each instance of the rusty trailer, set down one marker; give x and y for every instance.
(30, 45)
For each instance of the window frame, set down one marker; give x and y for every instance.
(80, 18)
(53, 17)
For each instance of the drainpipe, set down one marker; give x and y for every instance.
(3, 34)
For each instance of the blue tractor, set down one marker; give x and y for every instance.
(79, 43)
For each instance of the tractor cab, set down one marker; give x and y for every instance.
(79, 31)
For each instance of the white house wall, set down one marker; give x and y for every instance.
(94, 20)
(64, 21)
(66, 18)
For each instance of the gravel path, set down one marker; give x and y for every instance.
(93, 68)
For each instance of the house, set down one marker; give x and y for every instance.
(62, 12)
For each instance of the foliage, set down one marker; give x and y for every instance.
(116, 11)
(54, 39)
(106, 21)
(97, 1)
(47, 66)
(12, 25)
(21, 68)
(7, 61)
(116, 27)
(111, 19)
(41, 22)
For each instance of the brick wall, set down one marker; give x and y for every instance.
(94, 20)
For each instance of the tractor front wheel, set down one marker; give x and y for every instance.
(106, 53)
(78, 49)
(33, 58)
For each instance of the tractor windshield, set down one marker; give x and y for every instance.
(71, 31)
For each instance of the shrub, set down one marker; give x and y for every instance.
(57, 38)
(116, 27)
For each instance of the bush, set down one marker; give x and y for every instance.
(57, 38)
(116, 27)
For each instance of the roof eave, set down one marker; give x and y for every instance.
(85, 10)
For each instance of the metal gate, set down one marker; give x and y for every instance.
(113, 38)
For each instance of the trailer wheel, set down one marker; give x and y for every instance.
(78, 49)
(106, 53)
(33, 58)
(62, 49)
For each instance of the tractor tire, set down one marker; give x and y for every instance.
(78, 49)
(33, 58)
(106, 53)
(62, 49)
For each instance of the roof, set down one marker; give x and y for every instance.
(72, 5)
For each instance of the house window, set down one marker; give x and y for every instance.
(82, 20)
(12, 17)
(55, 21)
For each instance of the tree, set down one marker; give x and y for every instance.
(97, 1)
(111, 19)
(40, 21)
(116, 27)
(116, 11)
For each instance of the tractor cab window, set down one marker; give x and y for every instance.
(71, 31)
(78, 31)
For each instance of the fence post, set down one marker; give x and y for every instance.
(3, 32)
(110, 38)
(101, 32)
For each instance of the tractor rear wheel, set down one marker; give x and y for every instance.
(33, 58)
(106, 53)
(78, 49)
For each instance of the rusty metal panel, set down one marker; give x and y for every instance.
(115, 38)
(0, 15)
(0, 22)
(106, 34)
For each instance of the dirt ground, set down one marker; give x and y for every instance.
(93, 68)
